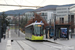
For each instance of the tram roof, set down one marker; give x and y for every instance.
(34, 24)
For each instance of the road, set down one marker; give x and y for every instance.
(20, 43)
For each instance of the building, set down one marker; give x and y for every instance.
(62, 12)
(29, 15)
(72, 18)
(47, 15)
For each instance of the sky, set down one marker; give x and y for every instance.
(32, 3)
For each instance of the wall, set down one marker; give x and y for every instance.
(49, 15)
(65, 19)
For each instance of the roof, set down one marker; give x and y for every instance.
(62, 25)
(34, 24)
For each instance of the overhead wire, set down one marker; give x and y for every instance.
(24, 0)
(15, 2)
(16, 5)
(34, 4)
(29, 2)
(42, 2)
(5, 2)
(11, 5)
(26, 6)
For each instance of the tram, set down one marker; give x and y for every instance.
(34, 31)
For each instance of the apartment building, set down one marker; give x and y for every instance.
(29, 15)
(62, 12)
(47, 15)
(72, 18)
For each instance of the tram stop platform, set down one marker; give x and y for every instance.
(63, 41)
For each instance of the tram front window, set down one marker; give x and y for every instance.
(38, 30)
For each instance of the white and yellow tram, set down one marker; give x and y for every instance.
(34, 31)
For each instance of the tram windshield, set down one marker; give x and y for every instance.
(38, 29)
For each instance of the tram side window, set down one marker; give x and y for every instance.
(26, 30)
(32, 30)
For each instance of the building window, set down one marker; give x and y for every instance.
(45, 14)
(61, 20)
(68, 18)
(42, 14)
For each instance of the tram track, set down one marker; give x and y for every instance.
(35, 43)
(46, 41)
(58, 48)
(51, 42)
(29, 45)
(56, 45)
(33, 47)
(23, 44)
(22, 47)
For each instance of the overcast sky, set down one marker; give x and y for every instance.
(32, 3)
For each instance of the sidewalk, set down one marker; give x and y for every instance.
(14, 45)
(6, 44)
(3, 44)
(66, 42)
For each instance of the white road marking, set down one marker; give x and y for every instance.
(8, 46)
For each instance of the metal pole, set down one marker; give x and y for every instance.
(20, 5)
(50, 22)
(54, 26)
(71, 25)
(15, 25)
(0, 30)
(19, 25)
